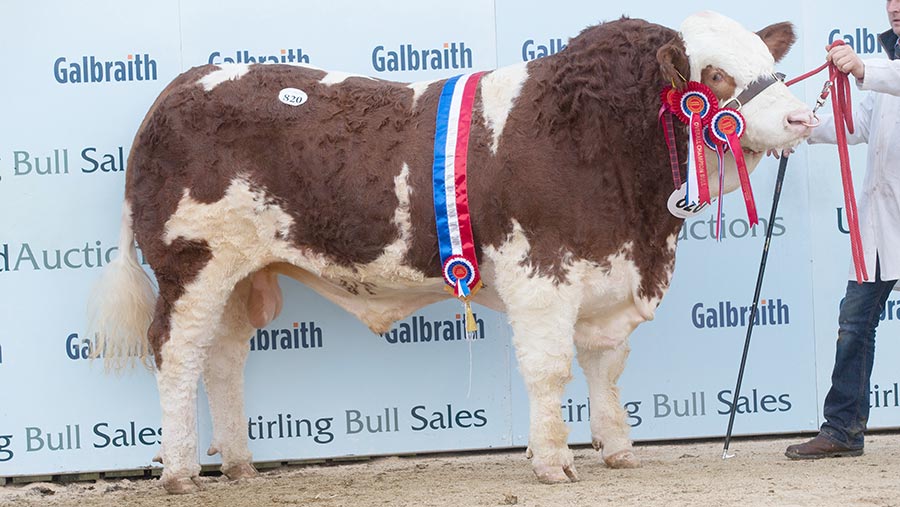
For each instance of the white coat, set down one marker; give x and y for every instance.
(877, 122)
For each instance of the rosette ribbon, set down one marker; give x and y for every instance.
(718, 129)
(696, 105)
(727, 126)
(720, 149)
(665, 118)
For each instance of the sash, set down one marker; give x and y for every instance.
(451, 203)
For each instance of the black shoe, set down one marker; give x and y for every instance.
(820, 447)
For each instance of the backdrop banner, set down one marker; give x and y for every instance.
(319, 384)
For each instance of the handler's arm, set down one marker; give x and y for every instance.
(882, 76)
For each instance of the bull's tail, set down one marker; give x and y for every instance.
(120, 306)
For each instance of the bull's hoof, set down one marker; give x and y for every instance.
(241, 471)
(597, 444)
(622, 459)
(549, 474)
(181, 485)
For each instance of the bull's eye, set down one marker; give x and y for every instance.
(717, 77)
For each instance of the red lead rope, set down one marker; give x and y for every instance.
(843, 118)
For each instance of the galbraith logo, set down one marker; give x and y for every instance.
(532, 50)
(91, 160)
(134, 67)
(453, 55)
(861, 40)
(81, 349)
(890, 312)
(24, 256)
(419, 330)
(303, 335)
(78, 348)
(244, 56)
(771, 312)
(705, 229)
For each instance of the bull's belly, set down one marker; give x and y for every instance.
(378, 298)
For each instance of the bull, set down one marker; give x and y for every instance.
(568, 178)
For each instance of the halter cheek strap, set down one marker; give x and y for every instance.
(752, 90)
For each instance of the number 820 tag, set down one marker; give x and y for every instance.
(292, 96)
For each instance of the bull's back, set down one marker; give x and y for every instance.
(328, 163)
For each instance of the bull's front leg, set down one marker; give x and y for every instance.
(543, 344)
(609, 425)
(602, 351)
(542, 318)
(542, 312)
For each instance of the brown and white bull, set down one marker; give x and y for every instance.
(568, 179)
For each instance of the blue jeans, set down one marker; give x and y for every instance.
(847, 403)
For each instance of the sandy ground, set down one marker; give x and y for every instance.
(673, 474)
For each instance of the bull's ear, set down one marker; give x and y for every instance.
(779, 37)
(673, 62)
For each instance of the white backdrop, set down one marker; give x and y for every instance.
(62, 150)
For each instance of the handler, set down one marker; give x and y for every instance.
(876, 120)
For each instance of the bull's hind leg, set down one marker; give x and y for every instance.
(191, 319)
(223, 378)
(181, 363)
(254, 303)
(602, 351)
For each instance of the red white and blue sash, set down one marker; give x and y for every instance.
(451, 203)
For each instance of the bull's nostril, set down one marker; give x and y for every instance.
(801, 119)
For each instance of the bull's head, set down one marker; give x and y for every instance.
(739, 67)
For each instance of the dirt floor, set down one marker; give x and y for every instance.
(673, 474)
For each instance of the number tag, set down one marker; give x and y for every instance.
(292, 96)
(679, 207)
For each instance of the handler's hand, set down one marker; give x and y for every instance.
(774, 153)
(847, 61)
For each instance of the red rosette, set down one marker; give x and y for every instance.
(727, 122)
(459, 269)
(711, 141)
(667, 97)
(696, 98)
